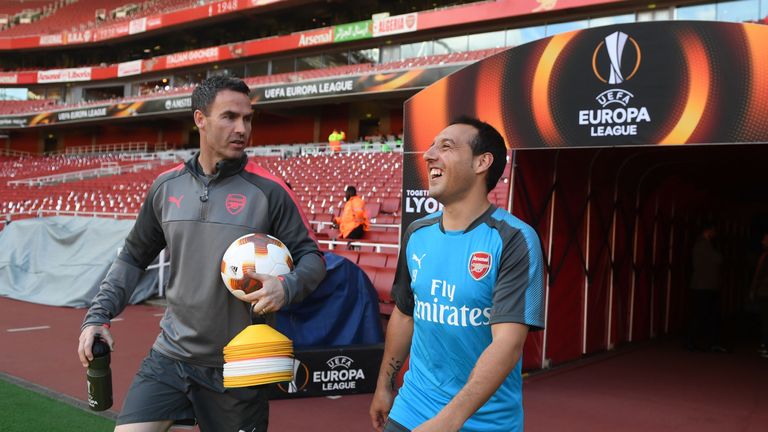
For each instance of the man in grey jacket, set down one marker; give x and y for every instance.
(196, 210)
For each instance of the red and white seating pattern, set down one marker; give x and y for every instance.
(119, 196)
(37, 166)
(81, 15)
(25, 106)
(317, 181)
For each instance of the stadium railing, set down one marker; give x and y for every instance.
(107, 169)
(14, 153)
(126, 147)
(376, 253)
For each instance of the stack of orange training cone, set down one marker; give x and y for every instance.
(258, 355)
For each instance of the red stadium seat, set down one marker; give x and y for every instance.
(372, 209)
(372, 259)
(348, 254)
(390, 205)
(383, 283)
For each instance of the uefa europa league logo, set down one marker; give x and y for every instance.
(614, 45)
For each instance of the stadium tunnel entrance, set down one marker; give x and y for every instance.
(617, 226)
(624, 139)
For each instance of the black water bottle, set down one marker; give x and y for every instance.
(99, 377)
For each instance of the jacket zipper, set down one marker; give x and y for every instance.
(204, 204)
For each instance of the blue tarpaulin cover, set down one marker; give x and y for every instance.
(343, 310)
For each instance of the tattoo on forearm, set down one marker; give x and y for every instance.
(394, 368)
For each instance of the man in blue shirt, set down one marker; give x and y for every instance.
(468, 288)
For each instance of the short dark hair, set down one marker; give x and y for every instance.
(205, 92)
(351, 189)
(487, 140)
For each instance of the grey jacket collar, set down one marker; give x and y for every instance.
(224, 168)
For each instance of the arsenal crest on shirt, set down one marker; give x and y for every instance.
(479, 265)
(235, 203)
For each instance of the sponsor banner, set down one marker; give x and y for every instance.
(103, 72)
(353, 31)
(401, 80)
(29, 77)
(395, 81)
(466, 14)
(418, 202)
(78, 37)
(14, 122)
(654, 83)
(153, 64)
(9, 78)
(317, 37)
(148, 107)
(309, 89)
(110, 31)
(137, 26)
(178, 104)
(332, 371)
(81, 114)
(129, 68)
(395, 24)
(64, 75)
(232, 51)
(270, 45)
(154, 22)
(188, 58)
(52, 39)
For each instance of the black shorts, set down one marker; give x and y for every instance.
(169, 389)
(393, 426)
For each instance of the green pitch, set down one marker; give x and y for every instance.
(23, 410)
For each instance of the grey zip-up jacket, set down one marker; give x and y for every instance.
(196, 218)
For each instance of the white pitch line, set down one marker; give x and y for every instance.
(23, 329)
(117, 319)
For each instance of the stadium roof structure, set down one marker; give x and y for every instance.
(383, 27)
(75, 26)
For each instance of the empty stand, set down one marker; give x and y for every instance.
(358, 69)
(81, 15)
(114, 195)
(25, 106)
(318, 183)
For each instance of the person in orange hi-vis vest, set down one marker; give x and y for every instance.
(334, 141)
(353, 221)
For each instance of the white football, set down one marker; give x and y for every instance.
(259, 253)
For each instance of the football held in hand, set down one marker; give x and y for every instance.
(257, 253)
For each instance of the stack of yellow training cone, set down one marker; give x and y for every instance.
(258, 355)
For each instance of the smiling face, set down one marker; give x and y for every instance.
(226, 130)
(453, 171)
